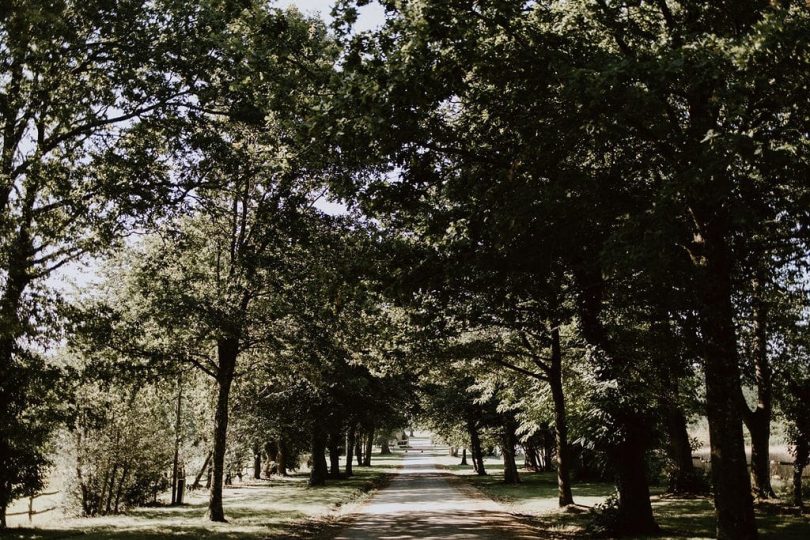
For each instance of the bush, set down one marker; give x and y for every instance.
(123, 446)
(605, 518)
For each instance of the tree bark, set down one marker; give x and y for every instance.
(351, 437)
(463, 456)
(384, 448)
(358, 451)
(475, 446)
(635, 510)
(683, 477)
(108, 503)
(802, 454)
(17, 280)
(121, 483)
(369, 447)
(282, 454)
(758, 421)
(100, 503)
(759, 426)
(227, 351)
(334, 455)
(529, 458)
(564, 495)
(509, 441)
(177, 421)
(204, 468)
(257, 460)
(318, 472)
(549, 442)
(733, 501)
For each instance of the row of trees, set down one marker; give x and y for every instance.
(634, 170)
(190, 126)
(582, 217)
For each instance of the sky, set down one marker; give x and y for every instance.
(369, 16)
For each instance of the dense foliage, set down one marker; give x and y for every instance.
(569, 229)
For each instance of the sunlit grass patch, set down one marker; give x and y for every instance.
(278, 507)
(536, 497)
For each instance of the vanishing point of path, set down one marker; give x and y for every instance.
(422, 502)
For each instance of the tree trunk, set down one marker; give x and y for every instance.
(369, 448)
(530, 461)
(334, 455)
(527, 458)
(463, 456)
(758, 421)
(358, 451)
(108, 503)
(683, 477)
(271, 457)
(181, 486)
(121, 483)
(734, 506)
(318, 472)
(350, 444)
(384, 448)
(177, 421)
(257, 460)
(100, 503)
(17, 279)
(760, 429)
(227, 351)
(282, 453)
(560, 421)
(204, 468)
(802, 453)
(475, 447)
(635, 510)
(549, 442)
(510, 472)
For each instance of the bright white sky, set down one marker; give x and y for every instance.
(369, 17)
(83, 274)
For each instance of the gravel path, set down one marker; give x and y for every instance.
(421, 502)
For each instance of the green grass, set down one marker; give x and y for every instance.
(536, 497)
(280, 508)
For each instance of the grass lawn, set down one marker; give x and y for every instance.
(536, 497)
(280, 508)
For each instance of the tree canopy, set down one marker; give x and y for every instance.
(568, 229)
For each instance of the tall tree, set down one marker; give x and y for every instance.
(619, 111)
(84, 89)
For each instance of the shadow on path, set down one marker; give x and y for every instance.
(420, 503)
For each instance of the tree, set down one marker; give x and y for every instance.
(709, 132)
(622, 112)
(84, 87)
(790, 357)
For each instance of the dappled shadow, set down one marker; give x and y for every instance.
(255, 509)
(139, 534)
(421, 503)
(455, 525)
